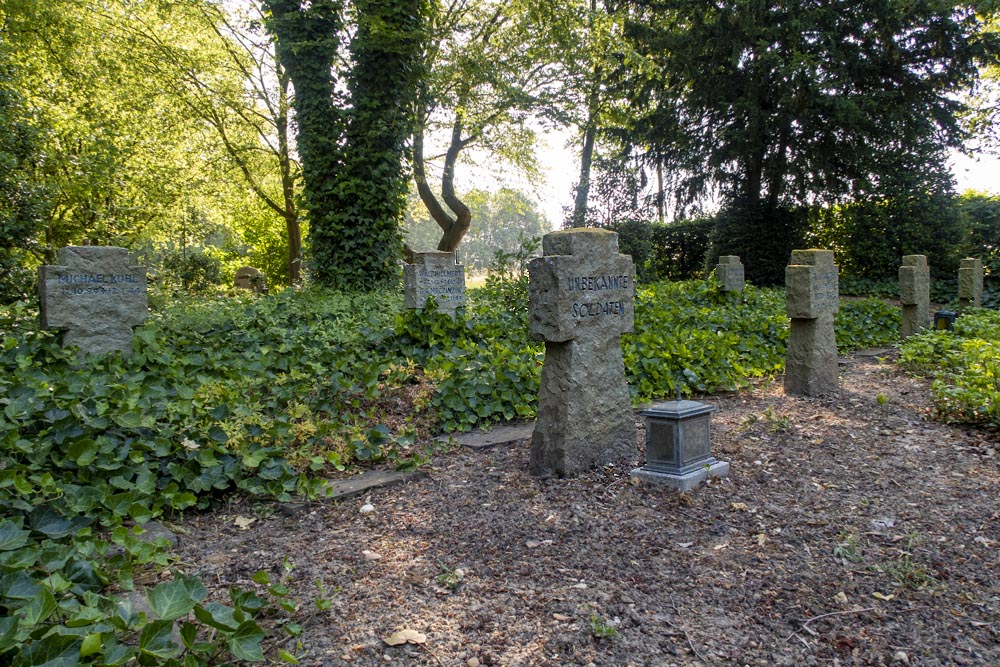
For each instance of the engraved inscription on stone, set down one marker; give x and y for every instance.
(434, 274)
(94, 296)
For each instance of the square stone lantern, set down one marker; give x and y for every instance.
(679, 445)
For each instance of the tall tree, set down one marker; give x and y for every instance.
(21, 196)
(777, 102)
(353, 103)
(230, 79)
(128, 157)
(490, 66)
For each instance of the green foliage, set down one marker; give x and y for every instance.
(882, 288)
(22, 199)
(762, 236)
(981, 215)
(502, 221)
(786, 103)
(601, 629)
(193, 270)
(688, 335)
(965, 366)
(691, 336)
(866, 323)
(353, 156)
(870, 237)
(679, 251)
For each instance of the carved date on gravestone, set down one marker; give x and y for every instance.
(434, 274)
(94, 296)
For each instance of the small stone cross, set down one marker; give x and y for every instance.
(811, 298)
(95, 297)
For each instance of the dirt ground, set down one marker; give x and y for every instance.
(851, 531)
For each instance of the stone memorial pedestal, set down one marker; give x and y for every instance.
(95, 297)
(679, 446)
(434, 274)
(914, 294)
(970, 283)
(811, 298)
(729, 274)
(582, 299)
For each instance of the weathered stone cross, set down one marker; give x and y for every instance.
(95, 297)
(582, 295)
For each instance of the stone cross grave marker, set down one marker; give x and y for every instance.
(914, 294)
(434, 274)
(970, 283)
(582, 293)
(250, 278)
(729, 274)
(95, 297)
(811, 298)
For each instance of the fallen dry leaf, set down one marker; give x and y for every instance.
(405, 637)
(244, 522)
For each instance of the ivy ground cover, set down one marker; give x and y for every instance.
(260, 396)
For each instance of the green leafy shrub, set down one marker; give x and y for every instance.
(692, 336)
(870, 287)
(193, 271)
(677, 251)
(866, 323)
(965, 366)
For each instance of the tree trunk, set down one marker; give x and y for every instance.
(659, 188)
(453, 228)
(291, 214)
(579, 218)
(454, 233)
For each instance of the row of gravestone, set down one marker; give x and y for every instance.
(581, 292)
(96, 297)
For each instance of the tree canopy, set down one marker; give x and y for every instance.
(776, 102)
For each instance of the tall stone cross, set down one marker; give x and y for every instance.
(811, 297)
(95, 297)
(914, 294)
(582, 294)
(970, 283)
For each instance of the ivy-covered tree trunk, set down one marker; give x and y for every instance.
(352, 146)
(307, 41)
(383, 86)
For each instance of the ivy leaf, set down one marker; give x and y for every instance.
(156, 641)
(173, 599)
(8, 632)
(51, 651)
(47, 521)
(245, 642)
(218, 616)
(12, 536)
(40, 608)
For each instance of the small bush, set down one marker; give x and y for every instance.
(965, 366)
